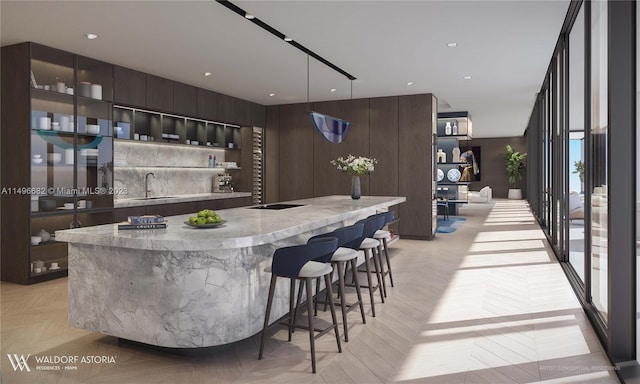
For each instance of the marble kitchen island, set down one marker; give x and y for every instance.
(184, 287)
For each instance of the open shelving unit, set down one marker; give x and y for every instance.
(450, 188)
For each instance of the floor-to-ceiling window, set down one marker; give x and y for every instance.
(638, 186)
(576, 159)
(598, 169)
(587, 126)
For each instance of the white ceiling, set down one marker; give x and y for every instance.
(505, 46)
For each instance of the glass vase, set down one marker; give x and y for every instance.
(355, 187)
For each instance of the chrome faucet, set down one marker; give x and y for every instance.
(146, 184)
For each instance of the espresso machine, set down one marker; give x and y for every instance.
(222, 183)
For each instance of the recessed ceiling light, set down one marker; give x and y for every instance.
(452, 45)
(249, 16)
(467, 77)
(207, 74)
(91, 36)
(410, 83)
(272, 94)
(287, 39)
(333, 89)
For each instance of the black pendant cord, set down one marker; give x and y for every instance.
(351, 82)
(308, 85)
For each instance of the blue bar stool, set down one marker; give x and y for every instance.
(383, 236)
(296, 263)
(339, 259)
(368, 245)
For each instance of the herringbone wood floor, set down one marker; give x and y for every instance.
(485, 304)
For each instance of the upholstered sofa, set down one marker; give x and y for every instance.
(576, 209)
(485, 195)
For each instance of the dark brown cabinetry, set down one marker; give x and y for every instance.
(159, 94)
(56, 163)
(207, 104)
(130, 87)
(185, 99)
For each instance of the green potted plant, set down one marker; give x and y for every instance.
(579, 169)
(515, 164)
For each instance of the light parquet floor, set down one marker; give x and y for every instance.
(485, 304)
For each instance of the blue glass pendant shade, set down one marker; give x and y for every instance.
(331, 128)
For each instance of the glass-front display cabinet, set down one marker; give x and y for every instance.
(63, 118)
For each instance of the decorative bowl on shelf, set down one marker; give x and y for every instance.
(54, 158)
(93, 129)
(37, 160)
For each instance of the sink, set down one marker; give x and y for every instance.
(155, 198)
(277, 206)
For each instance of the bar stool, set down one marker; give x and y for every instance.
(296, 263)
(339, 259)
(383, 236)
(369, 246)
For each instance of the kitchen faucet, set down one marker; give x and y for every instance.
(146, 184)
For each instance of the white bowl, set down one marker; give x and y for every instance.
(54, 158)
(37, 160)
(69, 205)
(35, 240)
(93, 129)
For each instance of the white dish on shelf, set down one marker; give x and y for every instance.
(440, 174)
(54, 269)
(453, 175)
(65, 208)
(37, 161)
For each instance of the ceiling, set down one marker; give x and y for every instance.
(505, 46)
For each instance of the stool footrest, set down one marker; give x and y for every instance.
(322, 331)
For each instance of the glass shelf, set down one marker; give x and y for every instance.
(64, 139)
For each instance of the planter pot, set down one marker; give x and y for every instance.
(515, 194)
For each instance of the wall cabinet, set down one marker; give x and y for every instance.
(185, 98)
(130, 87)
(159, 94)
(207, 104)
(61, 174)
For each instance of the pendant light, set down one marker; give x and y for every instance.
(334, 130)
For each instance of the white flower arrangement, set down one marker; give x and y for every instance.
(355, 165)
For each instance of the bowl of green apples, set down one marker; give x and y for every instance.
(206, 218)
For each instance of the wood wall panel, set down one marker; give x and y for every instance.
(15, 139)
(383, 131)
(414, 165)
(395, 130)
(296, 152)
(258, 115)
(327, 179)
(271, 153)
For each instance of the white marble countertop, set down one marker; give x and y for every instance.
(137, 202)
(244, 227)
